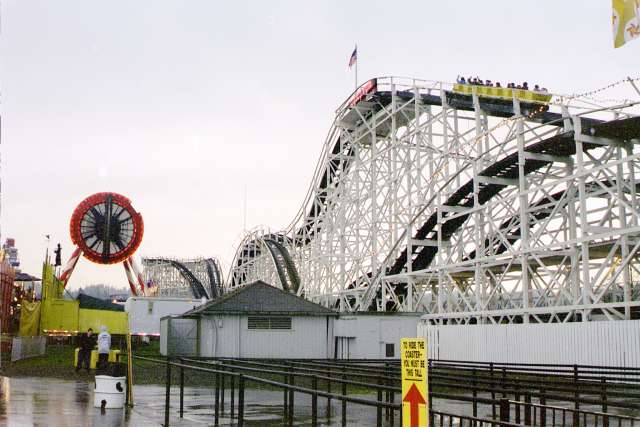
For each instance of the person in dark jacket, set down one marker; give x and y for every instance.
(86, 343)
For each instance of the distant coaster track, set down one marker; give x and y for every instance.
(157, 270)
(280, 258)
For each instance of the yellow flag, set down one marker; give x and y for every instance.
(626, 21)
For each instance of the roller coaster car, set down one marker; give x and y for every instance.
(371, 86)
(498, 100)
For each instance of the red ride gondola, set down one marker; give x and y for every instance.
(106, 229)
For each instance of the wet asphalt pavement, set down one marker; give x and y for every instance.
(30, 401)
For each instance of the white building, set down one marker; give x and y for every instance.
(253, 321)
(145, 312)
(261, 321)
(373, 335)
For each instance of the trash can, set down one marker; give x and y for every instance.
(111, 390)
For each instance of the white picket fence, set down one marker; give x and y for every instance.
(584, 343)
(25, 347)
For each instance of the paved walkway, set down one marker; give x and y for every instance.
(29, 401)
(26, 401)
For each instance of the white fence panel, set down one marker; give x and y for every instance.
(25, 347)
(585, 343)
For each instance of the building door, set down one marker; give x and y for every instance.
(182, 337)
(344, 347)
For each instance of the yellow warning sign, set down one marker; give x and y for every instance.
(415, 394)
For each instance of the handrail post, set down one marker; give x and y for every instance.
(314, 401)
(222, 381)
(392, 397)
(387, 394)
(576, 406)
(504, 410)
(493, 391)
(379, 407)
(329, 391)
(167, 397)
(504, 382)
(605, 419)
(344, 393)
(527, 409)
(516, 397)
(216, 404)
(292, 380)
(285, 406)
(241, 401)
(181, 390)
(474, 390)
(543, 410)
(232, 391)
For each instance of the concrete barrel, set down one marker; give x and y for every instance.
(110, 389)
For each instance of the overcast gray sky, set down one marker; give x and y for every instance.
(180, 104)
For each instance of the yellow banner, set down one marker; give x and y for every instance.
(415, 393)
(29, 318)
(626, 21)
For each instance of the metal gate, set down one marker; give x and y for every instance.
(182, 336)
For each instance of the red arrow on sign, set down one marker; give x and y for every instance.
(414, 398)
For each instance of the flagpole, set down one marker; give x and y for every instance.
(356, 66)
(356, 73)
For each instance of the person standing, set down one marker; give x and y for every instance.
(86, 343)
(104, 345)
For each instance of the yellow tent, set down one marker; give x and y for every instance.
(29, 318)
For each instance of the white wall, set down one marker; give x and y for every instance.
(145, 313)
(229, 336)
(586, 343)
(368, 334)
(164, 335)
(219, 336)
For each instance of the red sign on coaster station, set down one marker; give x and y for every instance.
(415, 407)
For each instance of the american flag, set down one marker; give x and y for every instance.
(354, 57)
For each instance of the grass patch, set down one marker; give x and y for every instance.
(57, 362)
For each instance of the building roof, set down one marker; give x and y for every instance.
(89, 302)
(24, 277)
(259, 297)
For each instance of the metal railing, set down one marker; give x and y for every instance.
(533, 414)
(577, 389)
(288, 386)
(332, 379)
